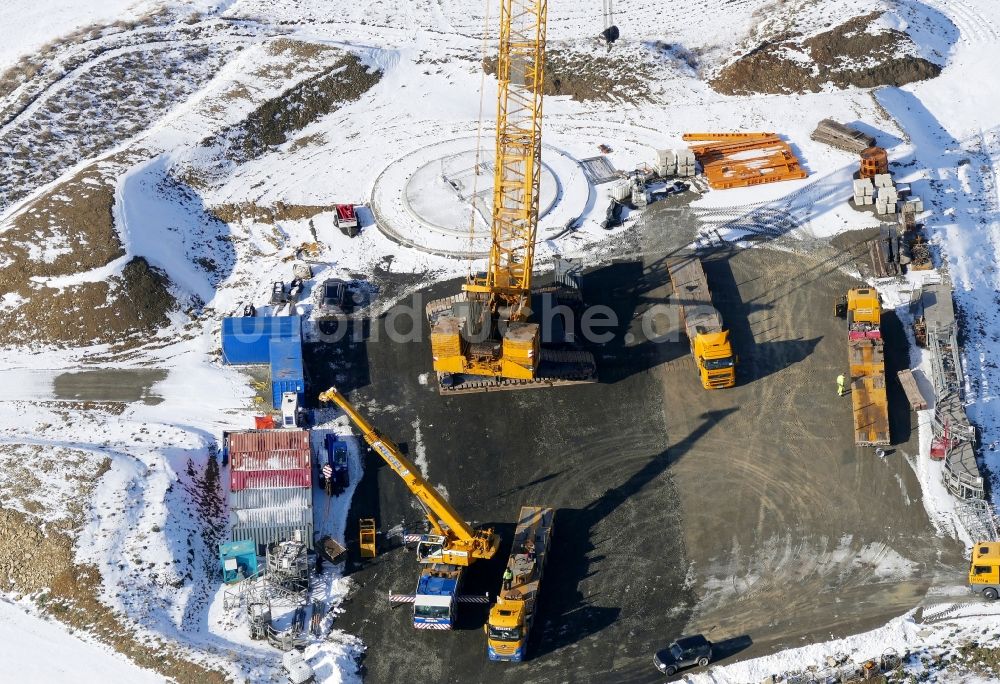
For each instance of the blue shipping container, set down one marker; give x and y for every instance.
(246, 339)
(286, 369)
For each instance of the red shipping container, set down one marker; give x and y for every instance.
(265, 479)
(270, 450)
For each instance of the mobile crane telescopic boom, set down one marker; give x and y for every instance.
(454, 541)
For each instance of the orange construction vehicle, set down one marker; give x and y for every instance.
(866, 357)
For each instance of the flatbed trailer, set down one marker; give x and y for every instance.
(708, 337)
(513, 615)
(866, 360)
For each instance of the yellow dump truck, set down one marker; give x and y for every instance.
(984, 570)
(713, 353)
(866, 359)
(512, 616)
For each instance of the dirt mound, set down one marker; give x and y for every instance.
(66, 231)
(583, 75)
(121, 311)
(857, 53)
(271, 123)
(280, 211)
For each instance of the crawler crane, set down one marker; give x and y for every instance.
(453, 544)
(482, 338)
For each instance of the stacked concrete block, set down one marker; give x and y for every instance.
(666, 163)
(916, 203)
(685, 163)
(864, 192)
(886, 195)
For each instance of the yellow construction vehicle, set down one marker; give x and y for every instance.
(866, 360)
(484, 331)
(453, 541)
(984, 570)
(512, 616)
(443, 555)
(713, 353)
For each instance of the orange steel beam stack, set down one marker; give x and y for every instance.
(737, 160)
(725, 136)
(718, 149)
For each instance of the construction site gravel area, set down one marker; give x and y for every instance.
(743, 514)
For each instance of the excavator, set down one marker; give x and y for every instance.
(482, 338)
(453, 544)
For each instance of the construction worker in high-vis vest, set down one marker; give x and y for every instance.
(840, 385)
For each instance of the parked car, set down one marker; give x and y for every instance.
(332, 297)
(685, 652)
(333, 475)
(278, 293)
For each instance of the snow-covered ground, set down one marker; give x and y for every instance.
(144, 508)
(38, 650)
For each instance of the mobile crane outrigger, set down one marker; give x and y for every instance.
(452, 544)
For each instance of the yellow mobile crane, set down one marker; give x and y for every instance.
(453, 541)
(484, 331)
(446, 553)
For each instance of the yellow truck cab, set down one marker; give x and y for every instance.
(984, 570)
(710, 345)
(714, 355)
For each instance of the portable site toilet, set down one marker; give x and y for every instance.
(238, 560)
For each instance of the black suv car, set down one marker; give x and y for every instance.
(686, 651)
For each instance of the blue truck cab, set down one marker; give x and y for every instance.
(436, 596)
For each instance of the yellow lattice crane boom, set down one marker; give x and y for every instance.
(453, 541)
(518, 157)
(484, 332)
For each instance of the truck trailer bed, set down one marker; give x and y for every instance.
(694, 297)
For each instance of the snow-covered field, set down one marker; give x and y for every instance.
(176, 172)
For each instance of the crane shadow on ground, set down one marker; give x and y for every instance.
(897, 358)
(341, 361)
(761, 352)
(568, 614)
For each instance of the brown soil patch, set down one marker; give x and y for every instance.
(274, 120)
(37, 559)
(30, 560)
(122, 311)
(587, 76)
(70, 229)
(235, 213)
(845, 56)
(71, 224)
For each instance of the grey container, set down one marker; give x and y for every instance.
(265, 526)
(274, 497)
